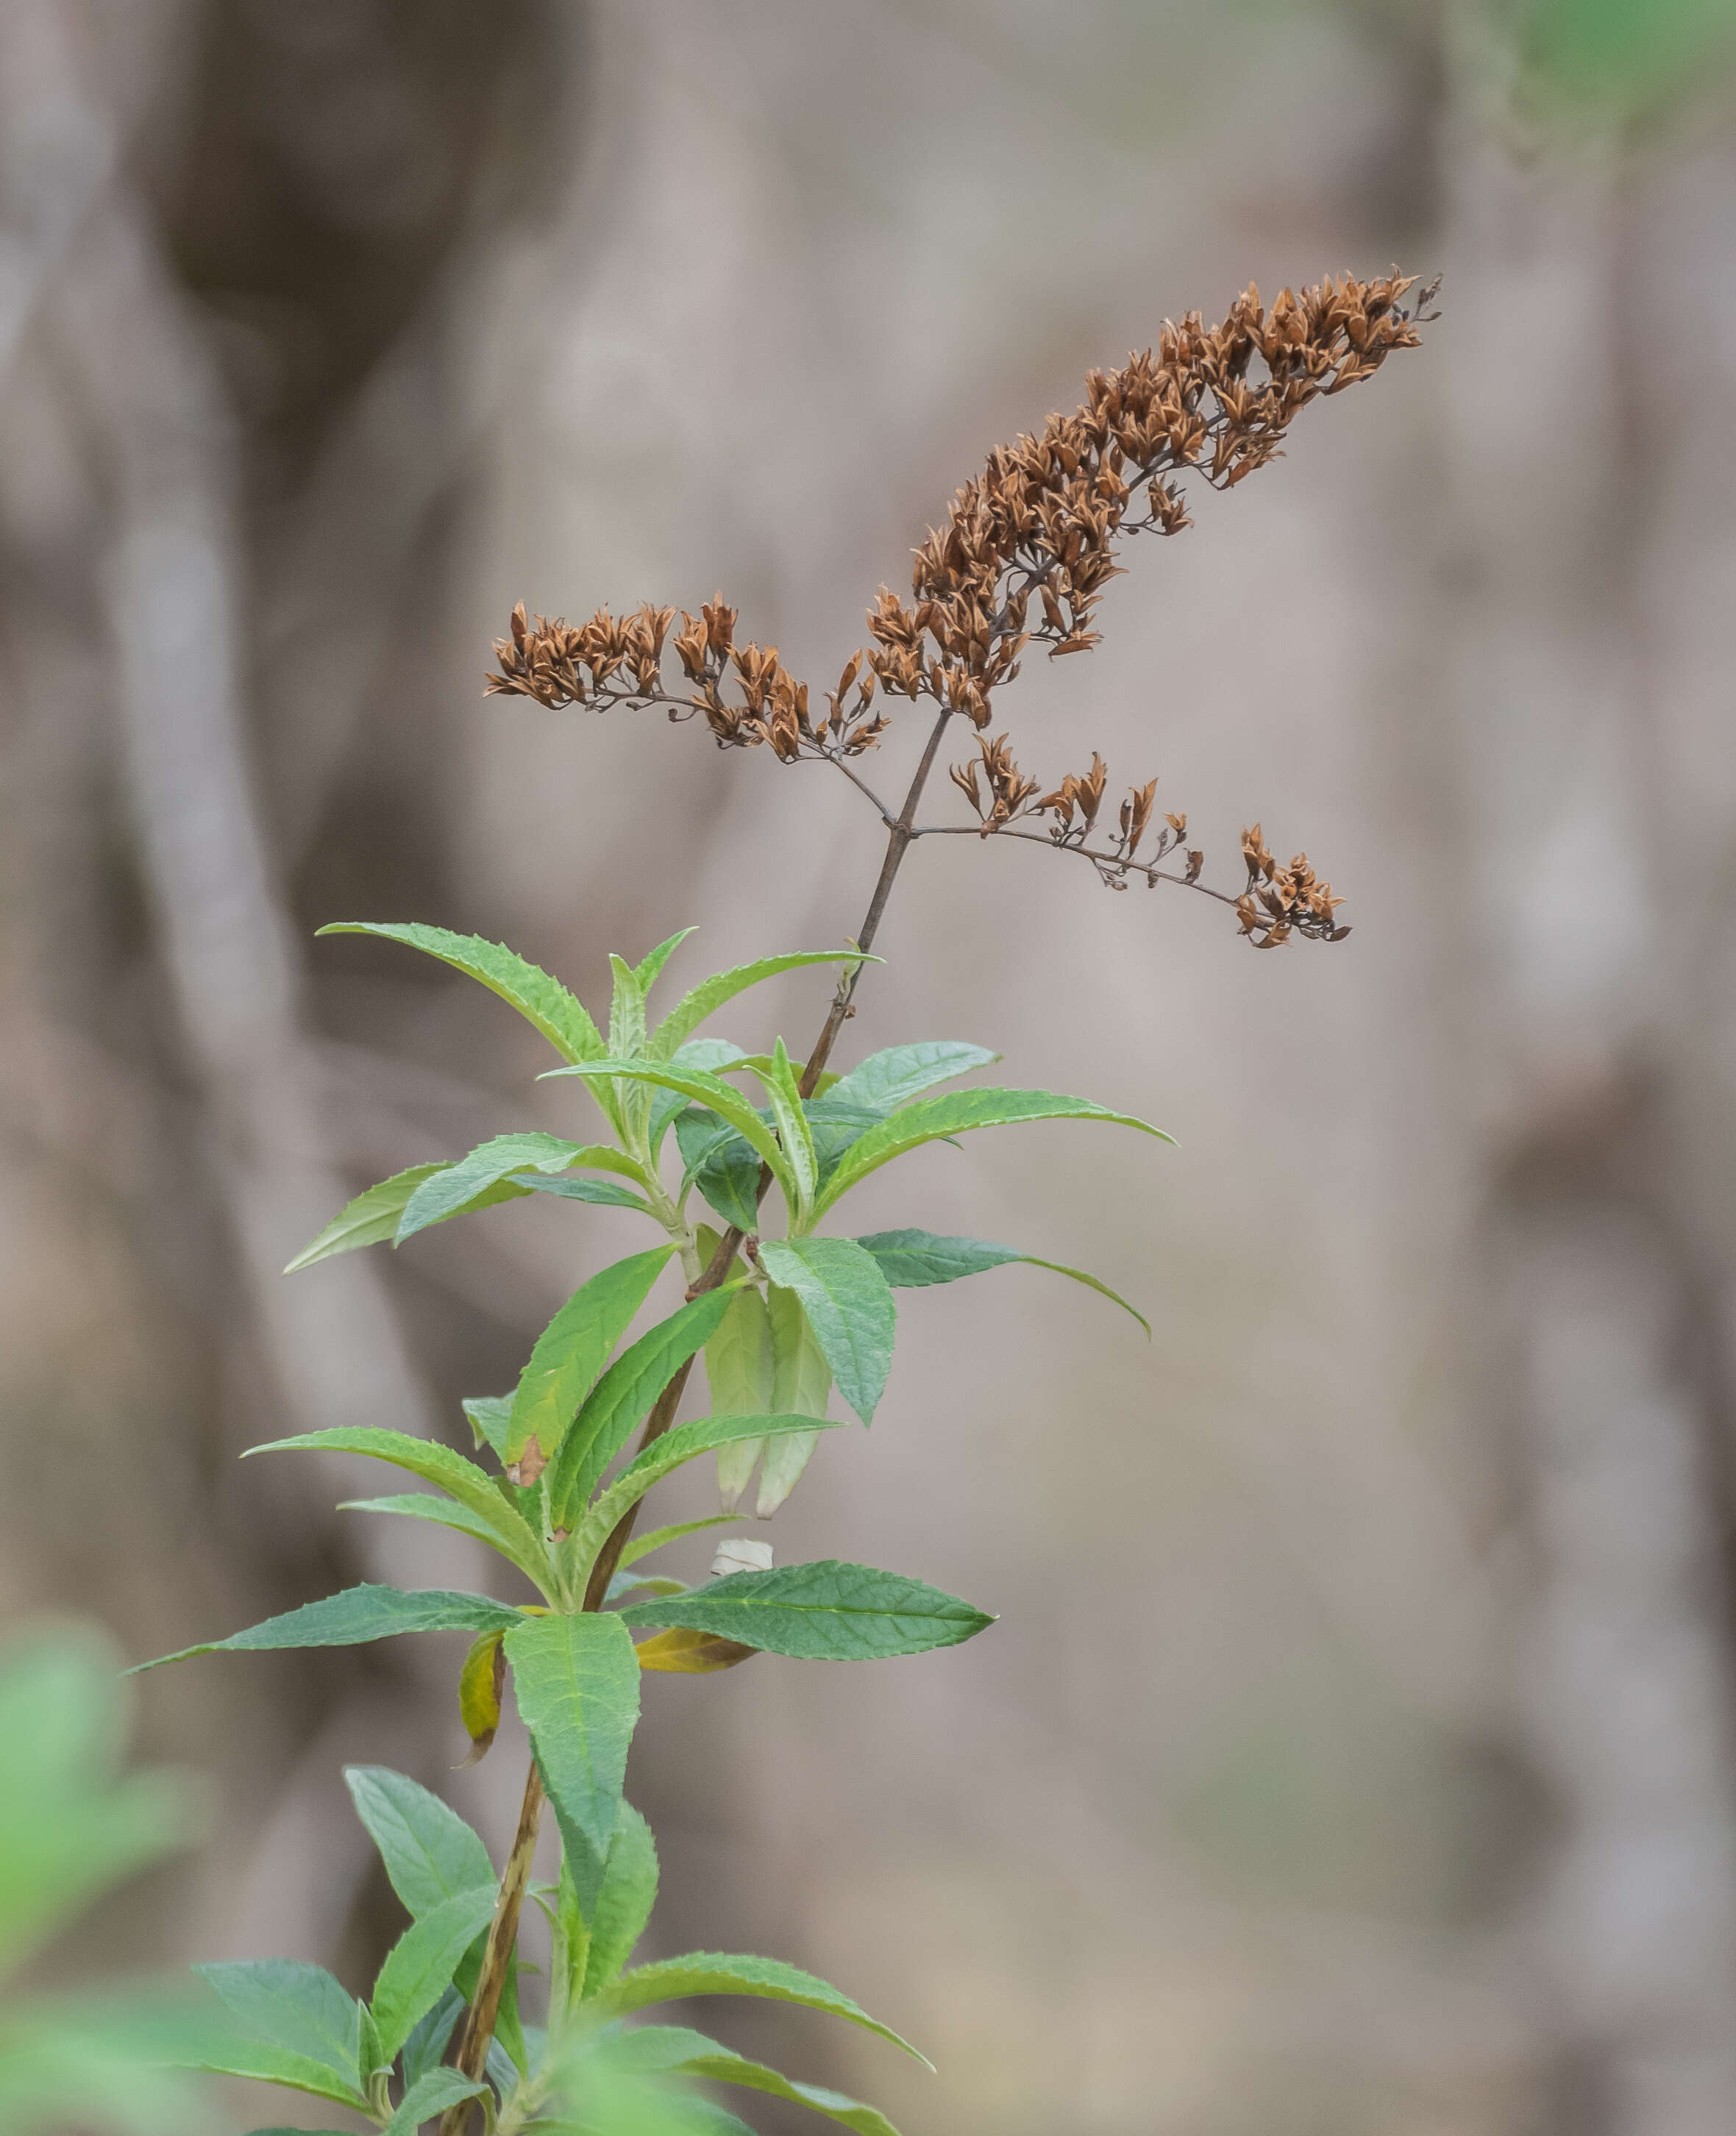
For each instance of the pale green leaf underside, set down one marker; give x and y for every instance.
(826, 1611)
(541, 1000)
(357, 1616)
(285, 2021)
(713, 1972)
(931, 1119)
(425, 1506)
(463, 1186)
(623, 1905)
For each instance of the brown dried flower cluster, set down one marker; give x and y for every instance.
(1278, 900)
(745, 693)
(1026, 551)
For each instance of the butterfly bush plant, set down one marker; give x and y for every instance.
(741, 1163)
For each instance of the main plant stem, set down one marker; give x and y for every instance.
(480, 2019)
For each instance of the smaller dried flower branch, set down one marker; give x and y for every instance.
(1028, 549)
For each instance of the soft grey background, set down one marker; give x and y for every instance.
(1355, 1756)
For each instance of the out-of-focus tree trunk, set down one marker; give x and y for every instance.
(1603, 1358)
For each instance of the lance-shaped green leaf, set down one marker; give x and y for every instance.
(714, 1972)
(420, 1965)
(671, 2051)
(826, 1611)
(710, 1054)
(700, 1088)
(569, 1353)
(538, 998)
(576, 1682)
(430, 2035)
(724, 1168)
(801, 1384)
(665, 1456)
(912, 1260)
(371, 1217)
(425, 1506)
(649, 967)
(894, 1076)
(642, 1545)
(778, 1079)
(621, 1398)
(437, 1464)
(429, 1853)
(932, 1120)
(430, 2095)
(616, 1919)
(287, 2023)
(460, 1187)
(849, 1307)
(738, 1368)
(604, 1193)
(357, 1616)
(710, 995)
(626, 1011)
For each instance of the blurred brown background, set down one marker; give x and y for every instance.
(1357, 1754)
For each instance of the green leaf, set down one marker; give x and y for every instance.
(626, 1013)
(621, 1398)
(425, 1506)
(667, 1453)
(911, 1259)
(709, 1054)
(291, 2015)
(431, 2094)
(849, 1307)
(656, 1538)
(801, 1384)
(573, 1349)
(430, 2036)
(709, 996)
(712, 1972)
(701, 1088)
(785, 1098)
(356, 1616)
(462, 1187)
(576, 1680)
(826, 1611)
(647, 970)
(724, 1168)
(670, 2050)
(605, 1193)
(489, 1416)
(438, 1464)
(370, 1218)
(738, 1368)
(420, 1965)
(69, 1824)
(893, 1077)
(623, 1905)
(931, 1119)
(542, 1001)
(431, 1854)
